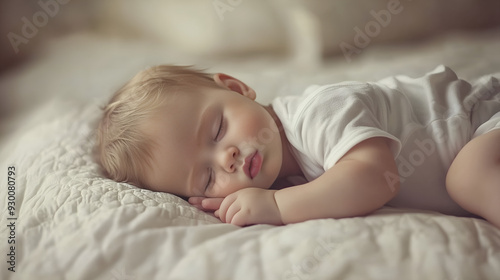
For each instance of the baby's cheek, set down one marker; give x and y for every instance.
(226, 185)
(223, 180)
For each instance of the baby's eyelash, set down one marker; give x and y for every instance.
(210, 178)
(218, 136)
(221, 129)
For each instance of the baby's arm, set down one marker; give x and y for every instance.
(356, 185)
(360, 182)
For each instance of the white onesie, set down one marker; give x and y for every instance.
(428, 120)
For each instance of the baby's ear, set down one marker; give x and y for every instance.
(234, 84)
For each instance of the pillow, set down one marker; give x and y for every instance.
(199, 27)
(348, 27)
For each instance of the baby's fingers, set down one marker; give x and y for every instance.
(196, 202)
(195, 199)
(205, 204)
(240, 219)
(234, 209)
(224, 207)
(211, 203)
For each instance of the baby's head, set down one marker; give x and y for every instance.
(177, 130)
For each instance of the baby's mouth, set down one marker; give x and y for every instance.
(252, 165)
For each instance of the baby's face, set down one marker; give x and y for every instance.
(212, 143)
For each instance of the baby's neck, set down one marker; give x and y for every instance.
(289, 165)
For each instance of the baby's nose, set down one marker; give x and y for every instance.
(230, 159)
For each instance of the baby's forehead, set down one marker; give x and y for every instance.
(176, 112)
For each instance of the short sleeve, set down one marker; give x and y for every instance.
(335, 118)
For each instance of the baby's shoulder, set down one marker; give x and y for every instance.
(346, 87)
(336, 95)
(316, 97)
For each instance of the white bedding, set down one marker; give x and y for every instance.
(74, 224)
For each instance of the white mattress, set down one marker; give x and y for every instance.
(74, 224)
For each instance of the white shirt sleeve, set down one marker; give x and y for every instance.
(332, 119)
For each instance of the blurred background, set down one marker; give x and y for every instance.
(307, 30)
(87, 48)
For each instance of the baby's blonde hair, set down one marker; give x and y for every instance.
(124, 152)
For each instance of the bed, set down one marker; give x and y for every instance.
(70, 222)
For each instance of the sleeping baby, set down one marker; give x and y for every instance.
(430, 143)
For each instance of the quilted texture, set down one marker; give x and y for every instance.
(75, 224)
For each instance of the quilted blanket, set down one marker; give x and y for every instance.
(67, 221)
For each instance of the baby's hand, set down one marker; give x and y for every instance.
(250, 206)
(244, 207)
(206, 204)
